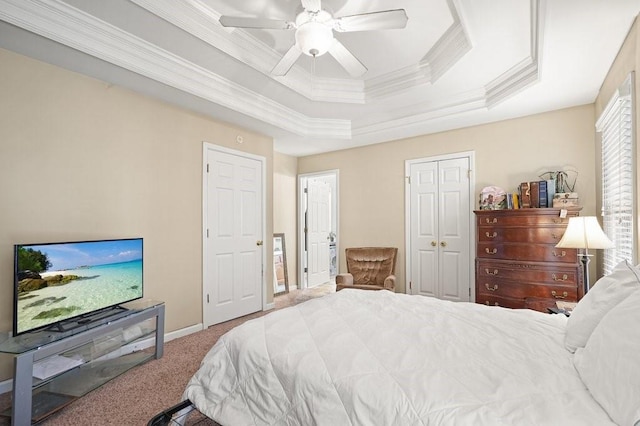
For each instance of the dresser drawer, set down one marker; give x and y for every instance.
(500, 219)
(520, 290)
(555, 274)
(544, 235)
(505, 302)
(527, 252)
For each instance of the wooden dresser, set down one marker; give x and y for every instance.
(517, 264)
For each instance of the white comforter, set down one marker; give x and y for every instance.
(379, 358)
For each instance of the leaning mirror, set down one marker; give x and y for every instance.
(280, 276)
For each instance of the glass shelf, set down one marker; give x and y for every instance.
(99, 351)
(30, 341)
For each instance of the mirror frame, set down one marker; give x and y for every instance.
(279, 242)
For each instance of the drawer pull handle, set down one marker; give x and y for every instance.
(561, 254)
(492, 251)
(555, 277)
(495, 234)
(495, 271)
(494, 288)
(555, 236)
(557, 220)
(557, 296)
(489, 304)
(494, 220)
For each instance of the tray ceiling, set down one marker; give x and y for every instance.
(457, 63)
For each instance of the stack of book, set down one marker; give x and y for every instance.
(513, 201)
(537, 194)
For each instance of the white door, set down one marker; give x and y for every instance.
(439, 229)
(233, 238)
(318, 230)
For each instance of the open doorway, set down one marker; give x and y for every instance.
(317, 228)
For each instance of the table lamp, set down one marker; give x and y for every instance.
(584, 232)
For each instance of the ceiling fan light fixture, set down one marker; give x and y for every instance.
(314, 35)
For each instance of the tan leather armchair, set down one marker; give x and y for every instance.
(369, 268)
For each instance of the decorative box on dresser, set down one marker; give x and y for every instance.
(517, 263)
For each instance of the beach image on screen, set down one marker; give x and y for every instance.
(60, 281)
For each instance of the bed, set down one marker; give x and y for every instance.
(378, 358)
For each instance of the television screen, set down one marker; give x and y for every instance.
(56, 282)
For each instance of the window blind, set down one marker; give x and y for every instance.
(615, 126)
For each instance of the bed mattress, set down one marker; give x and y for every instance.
(381, 358)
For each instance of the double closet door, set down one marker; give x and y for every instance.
(439, 237)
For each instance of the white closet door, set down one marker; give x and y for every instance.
(439, 229)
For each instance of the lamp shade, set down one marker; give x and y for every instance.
(584, 232)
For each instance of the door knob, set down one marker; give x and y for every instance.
(433, 243)
(259, 242)
(443, 243)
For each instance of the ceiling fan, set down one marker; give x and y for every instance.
(314, 33)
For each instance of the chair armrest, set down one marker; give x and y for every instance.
(390, 283)
(344, 279)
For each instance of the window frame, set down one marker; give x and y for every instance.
(616, 127)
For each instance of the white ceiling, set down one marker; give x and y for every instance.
(457, 63)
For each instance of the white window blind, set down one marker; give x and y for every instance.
(616, 128)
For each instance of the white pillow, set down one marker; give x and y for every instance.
(609, 364)
(606, 293)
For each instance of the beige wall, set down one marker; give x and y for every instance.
(507, 153)
(81, 159)
(285, 169)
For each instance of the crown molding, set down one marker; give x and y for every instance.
(524, 73)
(449, 48)
(72, 27)
(518, 77)
(398, 81)
(452, 46)
(198, 19)
(67, 25)
(422, 114)
(201, 21)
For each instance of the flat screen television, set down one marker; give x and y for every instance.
(65, 284)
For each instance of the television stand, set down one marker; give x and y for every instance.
(52, 369)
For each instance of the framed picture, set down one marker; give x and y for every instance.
(492, 198)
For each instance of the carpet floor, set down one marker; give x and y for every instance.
(146, 390)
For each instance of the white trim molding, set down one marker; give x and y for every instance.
(72, 27)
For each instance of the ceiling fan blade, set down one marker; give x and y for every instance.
(345, 58)
(312, 5)
(287, 61)
(260, 23)
(383, 20)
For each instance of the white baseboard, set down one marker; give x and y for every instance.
(7, 385)
(183, 332)
(269, 306)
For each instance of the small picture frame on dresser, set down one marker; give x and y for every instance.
(492, 198)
